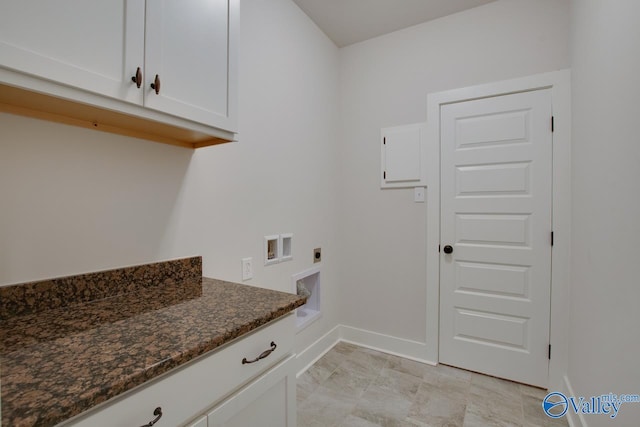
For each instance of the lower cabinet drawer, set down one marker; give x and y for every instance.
(193, 388)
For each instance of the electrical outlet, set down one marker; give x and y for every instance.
(247, 268)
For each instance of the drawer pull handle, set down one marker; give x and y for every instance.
(262, 355)
(158, 413)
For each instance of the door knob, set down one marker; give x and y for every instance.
(448, 249)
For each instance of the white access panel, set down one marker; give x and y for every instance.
(402, 154)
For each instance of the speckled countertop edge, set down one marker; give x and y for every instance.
(59, 363)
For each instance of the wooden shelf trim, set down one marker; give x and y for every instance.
(23, 102)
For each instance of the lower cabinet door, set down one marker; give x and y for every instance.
(269, 401)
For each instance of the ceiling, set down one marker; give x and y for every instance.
(352, 21)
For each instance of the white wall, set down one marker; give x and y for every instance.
(604, 342)
(74, 200)
(385, 82)
(279, 177)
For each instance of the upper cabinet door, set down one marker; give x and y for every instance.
(191, 48)
(94, 45)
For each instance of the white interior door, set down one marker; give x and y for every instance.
(496, 189)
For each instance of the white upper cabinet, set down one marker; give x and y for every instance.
(187, 48)
(92, 45)
(170, 64)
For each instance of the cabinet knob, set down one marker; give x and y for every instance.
(448, 249)
(158, 413)
(156, 84)
(137, 79)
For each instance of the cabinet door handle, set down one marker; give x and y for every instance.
(262, 355)
(156, 84)
(158, 413)
(137, 79)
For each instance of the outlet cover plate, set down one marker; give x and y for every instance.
(247, 268)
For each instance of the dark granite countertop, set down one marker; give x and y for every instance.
(58, 362)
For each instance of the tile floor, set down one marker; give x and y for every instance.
(359, 387)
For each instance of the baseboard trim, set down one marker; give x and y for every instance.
(315, 351)
(408, 349)
(575, 420)
(412, 350)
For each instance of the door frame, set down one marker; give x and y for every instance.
(560, 85)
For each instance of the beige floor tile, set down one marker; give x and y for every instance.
(325, 366)
(397, 382)
(497, 397)
(490, 415)
(418, 409)
(451, 371)
(442, 373)
(344, 348)
(325, 408)
(366, 360)
(360, 387)
(536, 392)
(306, 384)
(353, 421)
(438, 407)
(534, 415)
(408, 422)
(349, 381)
(503, 388)
(382, 407)
(453, 387)
(407, 366)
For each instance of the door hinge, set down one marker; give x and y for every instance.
(384, 141)
(549, 351)
(552, 238)
(384, 175)
(552, 124)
